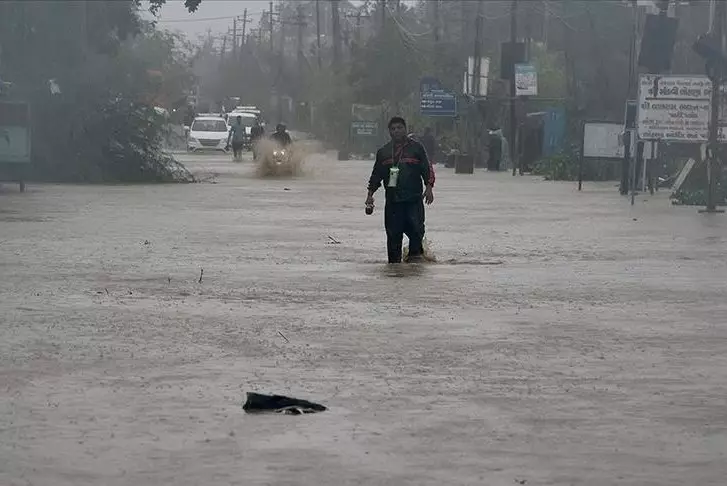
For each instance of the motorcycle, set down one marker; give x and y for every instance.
(277, 162)
(281, 157)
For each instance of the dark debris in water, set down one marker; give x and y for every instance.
(259, 403)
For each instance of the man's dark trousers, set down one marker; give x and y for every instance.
(402, 218)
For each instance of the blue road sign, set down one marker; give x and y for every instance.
(438, 102)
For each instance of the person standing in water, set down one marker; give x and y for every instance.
(403, 167)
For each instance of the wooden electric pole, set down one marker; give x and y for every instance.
(475, 133)
(270, 17)
(336, 24)
(301, 26)
(318, 34)
(244, 28)
(234, 38)
(514, 157)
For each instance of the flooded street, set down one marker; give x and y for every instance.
(562, 338)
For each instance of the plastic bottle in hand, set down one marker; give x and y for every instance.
(370, 208)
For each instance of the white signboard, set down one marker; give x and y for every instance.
(603, 140)
(14, 144)
(469, 77)
(526, 80)
(675, 108)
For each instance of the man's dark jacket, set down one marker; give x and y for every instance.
(414, 171)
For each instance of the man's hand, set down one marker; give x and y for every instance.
(369, 200)
(428, 195)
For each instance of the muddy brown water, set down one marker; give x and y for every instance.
(557, 341)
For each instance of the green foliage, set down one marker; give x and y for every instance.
(101, 127)
(156, 5)
(562, 166)
(693, 191)
(551, 72)
(565, 166)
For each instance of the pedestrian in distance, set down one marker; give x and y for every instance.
(257, 132)
(430, 144)
(237, 134)
(404, 169)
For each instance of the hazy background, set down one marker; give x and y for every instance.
(214, 15)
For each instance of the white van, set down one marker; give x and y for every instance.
(208, 133)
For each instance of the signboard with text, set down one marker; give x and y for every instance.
(675, 108)
(438, 103)
(365, 128)
(526, 80)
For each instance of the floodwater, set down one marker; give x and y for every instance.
(563, 338)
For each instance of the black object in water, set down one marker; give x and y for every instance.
(258, 403)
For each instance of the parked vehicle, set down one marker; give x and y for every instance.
(208, 133)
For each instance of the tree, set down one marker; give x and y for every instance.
(102, 126)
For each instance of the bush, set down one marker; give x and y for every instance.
(562, 166)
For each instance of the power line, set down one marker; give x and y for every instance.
(205, 19)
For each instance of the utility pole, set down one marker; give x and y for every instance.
(234, 38)
(382, 5)
(270, 15)
(717, 74)
(435, 22)
(474, 132)
(546, 23)
(244, 28)
(222, 51)
(336, 24)
(632, 93)
(514, 156)
(358, 28)
(301, 25)
(465, 24)
(318, 34)
(477, 54)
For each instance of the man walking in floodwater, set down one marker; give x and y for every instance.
(408, 177)
(237, 134)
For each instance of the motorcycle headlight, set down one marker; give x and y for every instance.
(276, 153)
(282, 152)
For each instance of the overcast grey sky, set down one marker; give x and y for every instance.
(175, 17)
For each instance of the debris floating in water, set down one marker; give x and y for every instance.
(259, 403)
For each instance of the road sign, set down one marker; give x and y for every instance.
(526, 80)
(435, 101)
(365, 128)
(675, 108)
(438, 103)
